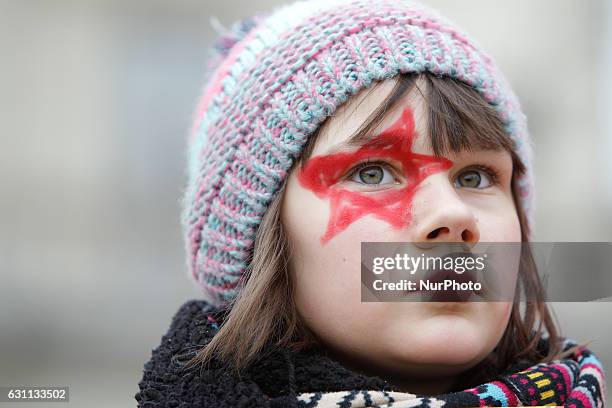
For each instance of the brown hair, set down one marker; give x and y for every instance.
(263, 316)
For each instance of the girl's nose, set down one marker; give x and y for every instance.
(441, 215)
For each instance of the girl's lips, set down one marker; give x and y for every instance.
(451, 295)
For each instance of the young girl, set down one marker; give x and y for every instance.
(330, 123)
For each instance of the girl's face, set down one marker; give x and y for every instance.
(402, 194)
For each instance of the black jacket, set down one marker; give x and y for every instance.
(273, 381)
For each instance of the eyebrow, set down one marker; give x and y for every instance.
(356, 140)
(359, 139)
(362, 137)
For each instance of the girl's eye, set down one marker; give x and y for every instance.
(372, 175)
(473, 179)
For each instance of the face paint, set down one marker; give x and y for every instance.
(393, 205)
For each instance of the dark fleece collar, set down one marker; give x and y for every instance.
(270, 382)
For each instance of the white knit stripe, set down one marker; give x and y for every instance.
(378, 398)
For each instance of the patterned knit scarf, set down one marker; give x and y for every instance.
(308, 378)
(572, 382)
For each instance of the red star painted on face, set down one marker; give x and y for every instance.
(322, 173)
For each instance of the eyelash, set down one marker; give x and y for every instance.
(491, 172)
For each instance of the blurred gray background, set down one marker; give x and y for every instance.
(95, 104)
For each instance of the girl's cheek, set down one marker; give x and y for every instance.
(323, 175)
(304, 215)
(499, 223)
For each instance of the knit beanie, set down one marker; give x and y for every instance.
(275, 79)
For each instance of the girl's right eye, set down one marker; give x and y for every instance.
(372, 174)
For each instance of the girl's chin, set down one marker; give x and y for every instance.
(452, 340)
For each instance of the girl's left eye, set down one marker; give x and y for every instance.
(474, 178)
(373, 174)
